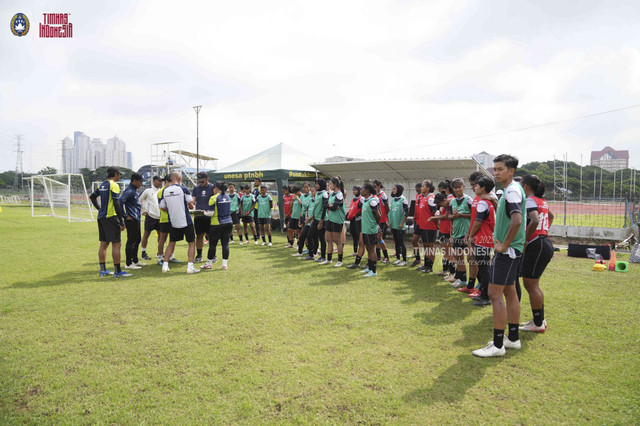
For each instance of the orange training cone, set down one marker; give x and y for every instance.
(612, 261)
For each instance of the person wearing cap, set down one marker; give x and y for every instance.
(110, 221)
(151, 212)
(202, 193)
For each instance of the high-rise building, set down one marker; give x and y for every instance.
(85, 152)
(610, 159)
(129, 160)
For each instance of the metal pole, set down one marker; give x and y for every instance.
(600, 193)
(566, 189)
(197, 109)
(580, 177)
(614, 184)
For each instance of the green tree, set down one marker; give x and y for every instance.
(48, 171)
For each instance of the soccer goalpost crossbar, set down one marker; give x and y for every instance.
(60, 195)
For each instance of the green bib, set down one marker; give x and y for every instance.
(396, 213)
(503, 221)
(336, 216)
(296, 208)
(317, 205)
(461, 225)
(306, 201)
(369, 222)
(264, 207)
(247, 203)
(234, 203)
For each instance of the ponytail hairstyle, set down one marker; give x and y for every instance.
(369, 187)
(536, 185)
(337, 183)
(444, 186)
(221, 186)
(377, 183)
(429, 184)
(439, 198)
(341, 186)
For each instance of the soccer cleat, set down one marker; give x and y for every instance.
(446, 277)
(141, 264)
(241, 243)
(482, 302)
(451, 279)
(192, 271)
(132, 266)
(305, 251)
(121, 274)
(308, 258)
(403, 263)
(215, 259)
(257, 242)
(231, 242)
(427, 271)
(174, 260)
(197, 260)
(512, 345)
(441, 273)
(325, 262)
(105, 273)
(269, 244)
(395, 262)
(263, 244)
(459, 284)
(370, 274)
(385, 260)
(207, 265)
(145, 256)
(531, 326)
(320, 260)
(489, 351)
(415, 263)
(352, 266)
(165, 268)
(352, 255)
(338, 265)
(225, 267)
(476, 293)
(296, 254)
(466, 290)
(422, 268)
(160, 261)
(288, 246)
(366, 271)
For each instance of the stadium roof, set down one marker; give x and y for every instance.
(402, 171)
(278, 157)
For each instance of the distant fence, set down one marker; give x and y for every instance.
(599, 212)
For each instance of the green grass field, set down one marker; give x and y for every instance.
(278, 340)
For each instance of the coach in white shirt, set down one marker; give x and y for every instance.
(176, 200)
(151, 212)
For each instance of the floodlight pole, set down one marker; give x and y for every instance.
(197, 110)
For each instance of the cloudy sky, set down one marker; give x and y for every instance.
(373, 79)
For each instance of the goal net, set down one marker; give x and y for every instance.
(60, 195)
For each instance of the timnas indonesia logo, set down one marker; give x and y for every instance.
(20, 24)
(56, 25)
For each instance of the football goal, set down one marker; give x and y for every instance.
(60, 195)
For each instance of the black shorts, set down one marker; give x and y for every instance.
(383, 228)
(264, 221)
(504, 269)
(355, 226)
(370, 239)
(164, 227)
(536, 257)
(334, 227)
(416, 229)
(109, 230)
(482, 255)
(294, 224)
(459, 243)
(444, 238)
(177, 234)
(247, 219)
(151, 224)
(202, 224)
(234, 218)
(428, 235)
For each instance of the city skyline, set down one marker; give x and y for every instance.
(91, 153)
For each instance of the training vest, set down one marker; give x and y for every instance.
(445, 224)
(337, 215)
(397, 212)
(221, 206)
(354, 209)
(503, 221)
(384, 217)
(543, 216)
(369, 223)
(234, 202)
(484, 236)
(264, 207)
(460, 226)
(296, 208)
(248, 201)
(317, 205)
(287, 204)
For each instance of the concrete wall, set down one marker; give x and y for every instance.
(589, 233)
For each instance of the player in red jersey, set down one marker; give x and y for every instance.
(538, 249)
(428, 228)
(480, 236)
(287, 198)
(416, 227)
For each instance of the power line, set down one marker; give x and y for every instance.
(521, 129)
(19, 170)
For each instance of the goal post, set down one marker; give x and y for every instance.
(60, 195)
